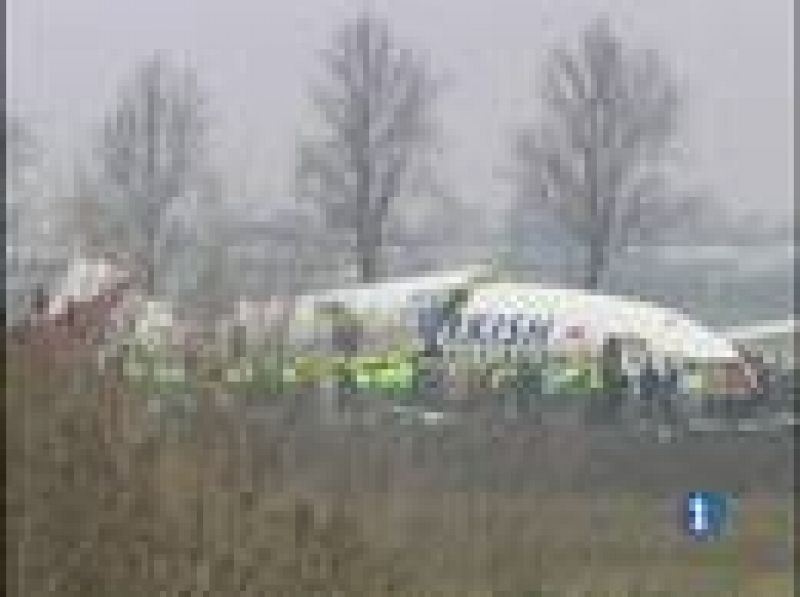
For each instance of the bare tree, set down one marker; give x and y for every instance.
(35, 258)
(215, 277)
(597, 161)
(23, 149)
(152, 149)
(377, 109)
(22, 164)
(90, 223)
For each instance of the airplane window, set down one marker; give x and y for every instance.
(538, 330)
(474, 329)
(496, 326)
(533, 326)
(513, 329)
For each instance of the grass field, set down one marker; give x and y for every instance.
(98, 507)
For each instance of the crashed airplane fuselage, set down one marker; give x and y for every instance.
(470, 321)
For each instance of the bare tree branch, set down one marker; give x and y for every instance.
(152, 149)
(376, 109)
(596, 159)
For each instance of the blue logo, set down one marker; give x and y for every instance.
(705, 514)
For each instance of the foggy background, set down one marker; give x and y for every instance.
(256, 61)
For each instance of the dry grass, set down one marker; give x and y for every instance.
(93, 511)
(99, 507)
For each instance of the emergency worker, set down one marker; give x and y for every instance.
(613, 376)
(345, 338)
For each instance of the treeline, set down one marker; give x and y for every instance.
(595, 171)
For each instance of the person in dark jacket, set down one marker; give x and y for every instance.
(612, 370)
(648, 382)
(432, 320)
(346, 333)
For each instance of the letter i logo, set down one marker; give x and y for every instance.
(704, 514)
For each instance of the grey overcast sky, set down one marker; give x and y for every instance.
(256, 58)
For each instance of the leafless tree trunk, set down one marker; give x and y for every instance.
(151, 150)
(377, 112)
(597, 160)
(35, 255)
(22, 165)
